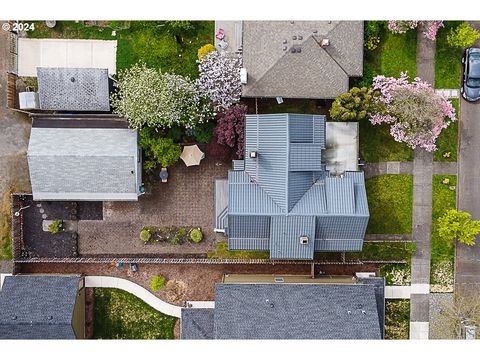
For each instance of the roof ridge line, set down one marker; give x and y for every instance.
(335, 60)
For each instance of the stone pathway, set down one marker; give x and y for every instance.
(422, 208)
(406, 168)
(449, 93)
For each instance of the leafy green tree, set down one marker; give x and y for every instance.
(178, 28)
(158, 150)
(353, 105)
(456, 224)
(463, 36)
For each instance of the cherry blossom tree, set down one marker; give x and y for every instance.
(148, 97)
(415, 113)
(220, 79)
(402, 26)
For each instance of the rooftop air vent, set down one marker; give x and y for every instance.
(253, 154)
(325, 43)
(285, 48)
(300, 37)
(284, 41)
(304, 240)
(293, 50)
(294, 37)
(299, 50)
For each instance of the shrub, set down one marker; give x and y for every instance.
(204, 134)
(372, 42)
(353, 105)
(182, 232)
(178, 26)
(231, 127)
(158, 282)
(159, 150)
(204, 50)
(55, 227)
(196, 235)
(145, 235)
(372, 34)
(463, 36)
(402, 26)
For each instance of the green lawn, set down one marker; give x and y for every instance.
(121, 315)
(377, 145)
(448, 66)
(222, 252)
(387, 250)
(390, 201)
(140, 41)
(396, 53)
(448, 139)
(443, 199)
(397, 319)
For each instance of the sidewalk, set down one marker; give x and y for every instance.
(406, 168)
(422, 207)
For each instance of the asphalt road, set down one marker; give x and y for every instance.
(467, 264)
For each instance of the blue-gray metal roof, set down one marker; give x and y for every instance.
(292, 311)
(285, 237)
(287, 178)
(38, 307)
(196, 324)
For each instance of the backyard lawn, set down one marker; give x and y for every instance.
(385, 250)
(140, 41)
(443, 199)
(121, 315)
(390, 201)
(447, 59)
(397, 319)
(447, 142)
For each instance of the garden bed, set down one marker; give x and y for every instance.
(121, 315)
(397, 319)
(443, 252)
(390, 202)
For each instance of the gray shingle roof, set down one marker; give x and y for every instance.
(315, 72)
(287, 180)
(83, 164)
(291, 311)
(196, 324)
(73, 89)
(38, 307)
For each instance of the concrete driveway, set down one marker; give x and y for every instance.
(467, 262)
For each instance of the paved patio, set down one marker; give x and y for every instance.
(187, 199)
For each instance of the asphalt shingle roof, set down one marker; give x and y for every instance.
(38, 307)
(73, 89)
(196, 324)
(292, 311)
(314, 72)
(83, 163)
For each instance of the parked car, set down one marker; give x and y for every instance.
(471, 74)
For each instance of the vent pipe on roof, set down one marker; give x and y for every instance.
(325, 43)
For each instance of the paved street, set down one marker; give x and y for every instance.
(467, 263)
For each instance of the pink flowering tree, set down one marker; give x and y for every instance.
(230, 128)
(402, 26)
(220, 79)
(415, 113)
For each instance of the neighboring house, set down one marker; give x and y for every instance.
(42, 307)
(281, 198)
(310, 310)
(74, 89)
(301, 59)
(89, 157)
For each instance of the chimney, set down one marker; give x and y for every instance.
(324, 43)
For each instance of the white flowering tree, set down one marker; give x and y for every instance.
(149, 98)
(220, 79)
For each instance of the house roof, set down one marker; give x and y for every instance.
(38, 307)
(83, 163)
(285, 193)
(293, 311)
(196, 324)
(274, 70)
(73, 89)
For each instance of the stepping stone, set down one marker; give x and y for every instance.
(39, 205)
(41, 210)
(44, 216)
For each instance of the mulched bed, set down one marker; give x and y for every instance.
(197, 281)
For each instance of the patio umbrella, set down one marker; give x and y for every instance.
(192, 155)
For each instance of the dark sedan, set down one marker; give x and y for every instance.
(471, 75)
